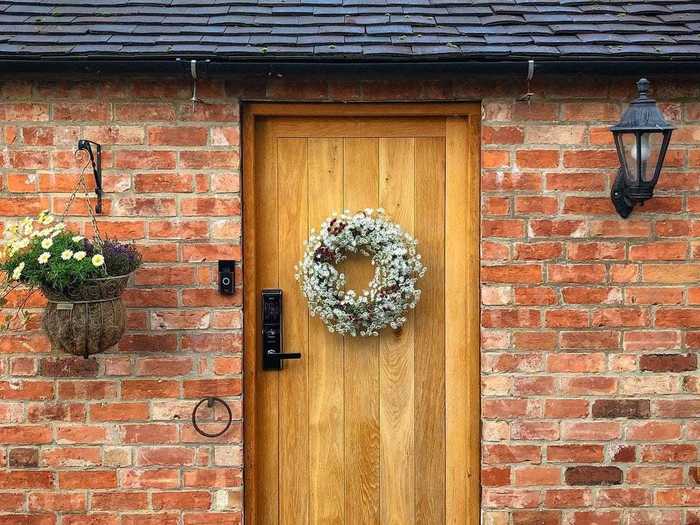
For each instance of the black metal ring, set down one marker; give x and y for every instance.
(210, 403)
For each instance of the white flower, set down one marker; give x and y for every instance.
(44, 258)
(79, 256)
(98, 260)
(46, 243)
(77, 238)
(66, 254)
(17, 272)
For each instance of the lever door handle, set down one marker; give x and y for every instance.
(284, 355)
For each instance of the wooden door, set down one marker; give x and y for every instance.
(377, 430)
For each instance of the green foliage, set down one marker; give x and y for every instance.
(52, 257)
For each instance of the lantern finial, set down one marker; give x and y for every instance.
(643, 86)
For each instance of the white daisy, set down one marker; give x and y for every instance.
(44, 258)
(79, 256)
(66, 254)
(17, 272)
(47, 243)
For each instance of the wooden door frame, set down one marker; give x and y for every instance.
(252, 111)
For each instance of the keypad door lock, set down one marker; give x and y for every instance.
(272, 336)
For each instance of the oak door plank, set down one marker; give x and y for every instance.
(473, 341)
(430, 333)
(361, 190)
(396, 348)
(267, 429)
(325, 355)
(456, 245)
(292, 165)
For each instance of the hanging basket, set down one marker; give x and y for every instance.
(86, 320)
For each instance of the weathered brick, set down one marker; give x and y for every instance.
(668, 362)
(614, 408)
(593, 475)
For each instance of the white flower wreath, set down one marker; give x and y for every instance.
(391, 290)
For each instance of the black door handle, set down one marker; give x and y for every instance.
(272, 344)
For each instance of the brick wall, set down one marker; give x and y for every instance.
(591, 324)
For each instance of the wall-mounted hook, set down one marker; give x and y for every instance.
(527, 97)
(96, 161)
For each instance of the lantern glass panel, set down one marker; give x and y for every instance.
(651, 148)
(629, 150)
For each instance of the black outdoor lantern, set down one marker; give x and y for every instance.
(641, 138)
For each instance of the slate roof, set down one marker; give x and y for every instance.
(350, 29)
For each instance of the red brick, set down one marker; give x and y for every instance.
(150, 519)
(149, 389)
(177, 136)
(71, 456)
(576, 363)
(57, 502)
(146, 111)
(669, 453)
(197, 388)
(150, 479)
(575, 453)
(163, 183)
(590, 340)
(213, 518)
(503, 454)
(181, 500)
(138, 159)
(576, 273)
(591, 159)
(538, 251)
(536, 517)
(211, 477)
(119, 501)
(118, 411)
(502, 135)
(567, 498)
(25, 434)
(654, 431)
(655, 476)
(97, 479)
(566, 408)
(593, 430)
(81, 434)
(91, 519)
(522, 273)
(537, 158)
(623, 497)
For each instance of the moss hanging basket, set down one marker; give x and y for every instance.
(89, 319)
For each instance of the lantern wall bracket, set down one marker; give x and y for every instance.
(96, 162)
(622, 203)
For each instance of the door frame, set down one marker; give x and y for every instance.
(252, 111)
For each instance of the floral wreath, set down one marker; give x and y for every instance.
(392, 289)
